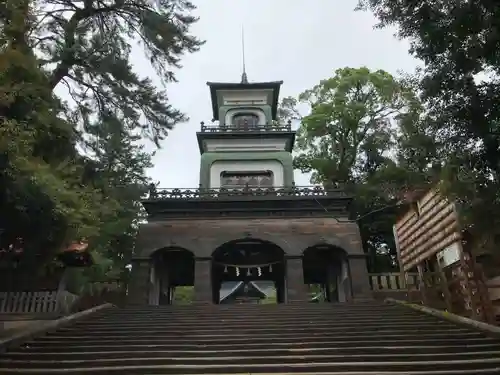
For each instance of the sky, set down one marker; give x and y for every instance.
(297, 41)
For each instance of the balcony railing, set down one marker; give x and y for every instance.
(273, 128)
(246, 191)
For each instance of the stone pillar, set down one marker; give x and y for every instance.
(279, 285)
(138, 286)
(360, 284)
(165, 290)
(203, 281)
(343, 284)
(154, 285)
(165, 287)
(332, 287)
(296, 289)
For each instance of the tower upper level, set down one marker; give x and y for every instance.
(245, 106)
(245, 119)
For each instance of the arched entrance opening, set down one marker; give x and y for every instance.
(326, 270)
(171, 276)
(248, 271)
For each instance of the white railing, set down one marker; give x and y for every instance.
(36, 302)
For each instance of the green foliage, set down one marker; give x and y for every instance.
(90, 42)
(43, 200)
(77, 170)
(183, 295)
(460, 84)
(365, 130)
(348, 129)
(118, 171)
(270, 299)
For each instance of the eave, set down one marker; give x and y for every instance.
(216, 86)
(203, 136)
(248, 206)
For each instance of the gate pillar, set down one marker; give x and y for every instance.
(296, 289)
(203, 281)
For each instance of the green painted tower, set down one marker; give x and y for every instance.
(246, 146)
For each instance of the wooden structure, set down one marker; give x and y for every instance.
(36, 302)
(429, 241)
(493, 286)
(26, 291)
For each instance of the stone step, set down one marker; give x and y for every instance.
(265, 312)
(167, 359)
(361, 338)
(261, 307)
(260, 331)
(274, 321)
(281, 365)
(374, 337)
(247, 308)
(256, 314)
(403, 346)
(270, 342)
(119, 352)
(265, 309)
(256, 328)
(227, 333)
(255, 317)
(235, 307)
(390, 309)
(493, 371)
(304, 307)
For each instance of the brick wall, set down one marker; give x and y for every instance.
(293, 235)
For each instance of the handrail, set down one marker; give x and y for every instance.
(393, 281)
(274, 128)
(202, 193)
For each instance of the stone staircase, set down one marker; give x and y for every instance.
(358, 338)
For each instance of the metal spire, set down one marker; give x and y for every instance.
(244, 78)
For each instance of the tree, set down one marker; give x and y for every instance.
(42, 196)
(51, 191)
(86, 46)
(349, 128)
(458, 43)
(119, 167)
(364, 130)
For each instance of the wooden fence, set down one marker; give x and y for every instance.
(493, 286)
(52, 302)
(393, 281)
(36, 302)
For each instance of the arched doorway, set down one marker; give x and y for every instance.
(326, 269)
(172, 268)
(245, 265)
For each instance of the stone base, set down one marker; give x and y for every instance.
(203, 282)
(296, 288)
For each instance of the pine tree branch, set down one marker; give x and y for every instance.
(68, 59)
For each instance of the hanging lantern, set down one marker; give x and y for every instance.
(225, 269)
(248, 272)
(237, 271)
(259, 271)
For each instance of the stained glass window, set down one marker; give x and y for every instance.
(242, 120)
(234, 180)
